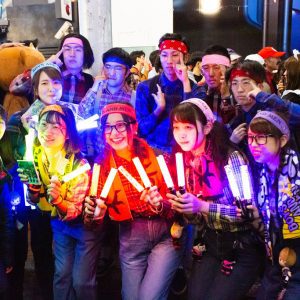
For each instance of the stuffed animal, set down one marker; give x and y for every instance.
(14, 60)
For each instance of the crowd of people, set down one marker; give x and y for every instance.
(228, 118)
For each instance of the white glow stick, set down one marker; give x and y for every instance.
(76, 173)
(180, 169)
(95, 179)
(29, 139)
(87, 123)
(131, 179)
(165, 171)
(142, 172)
(246, 182)
(108, 183)
(232, 183)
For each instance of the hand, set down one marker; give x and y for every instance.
(100, 209)
(239, 133)
(181, 70)
(186, 203)
(281, 87)
(22, 176)
(54, 190)
(254, 211)
(160, 100)
(100, 79)
(89, 207)
(55, 58)
(152, 196)
(255, 90)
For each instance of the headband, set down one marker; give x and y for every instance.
(45, 64)
(53, 107)
(173, 44)
(243, 73)
(73, 40)
(203, 107)
(118, 108)
(118, 60)
(277, 121)
(216, 59)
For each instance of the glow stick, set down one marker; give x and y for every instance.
(142, 172)
(131, 179)
(165, 171)
(108, 183)
(76, 173)
(95, 179)
(29, 139)
(87, 123)
(246, 182)
(180, 169)
(232, 183)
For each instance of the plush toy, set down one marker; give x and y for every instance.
(14, 60)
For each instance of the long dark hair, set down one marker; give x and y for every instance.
(218, 142)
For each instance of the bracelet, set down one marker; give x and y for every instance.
(34, 188)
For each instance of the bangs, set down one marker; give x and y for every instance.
(262, 126)
(186, 113)
(53, 117)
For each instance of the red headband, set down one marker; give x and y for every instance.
(118, 108)
(243, 73)
(173, 44)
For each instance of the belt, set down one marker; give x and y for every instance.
(136, 215)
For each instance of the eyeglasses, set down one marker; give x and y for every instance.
(110, 68)
(120, 127)
(260, 139)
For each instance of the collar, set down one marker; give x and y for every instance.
(67, 74)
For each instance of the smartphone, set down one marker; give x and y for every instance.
(30, 171)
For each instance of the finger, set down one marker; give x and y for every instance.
(58, 54)
(158, 88)
(181, 58)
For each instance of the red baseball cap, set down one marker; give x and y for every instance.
(267, 52)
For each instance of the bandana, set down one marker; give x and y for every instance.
(127, 63)
(215, 59)
(119, 108)
(43, 65)
(203, 107)
(73, 40)
(174, 45)
(53, 107)
(243, 73)
(277, 121)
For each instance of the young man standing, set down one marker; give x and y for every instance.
(109, 86)
(156, 97)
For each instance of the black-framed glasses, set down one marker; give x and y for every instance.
(260, 139)
(120, 127)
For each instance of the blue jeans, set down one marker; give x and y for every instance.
(207, 281)
(76, 250)
(271, 284)
(148, 259)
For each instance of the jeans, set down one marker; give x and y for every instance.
(272, 282)
(75, 249)
(148, 259)
(207, 281)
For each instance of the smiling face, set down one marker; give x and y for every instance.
(49, 90)
(52, 134)
(118, 133)
(188, 136)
